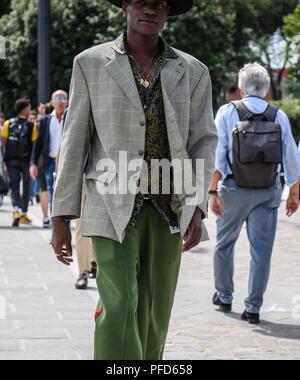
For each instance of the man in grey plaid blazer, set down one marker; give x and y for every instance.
(116, 89)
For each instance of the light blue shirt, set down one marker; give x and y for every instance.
(227, 119)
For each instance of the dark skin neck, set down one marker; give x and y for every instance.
(143, 48)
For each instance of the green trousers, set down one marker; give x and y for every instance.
(137, 281)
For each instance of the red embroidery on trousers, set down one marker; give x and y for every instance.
(98, 313)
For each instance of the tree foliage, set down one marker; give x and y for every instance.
(291, 106)
(76, 25)
(218, 32)
(292, 31)
(4, 7)
(291, 103)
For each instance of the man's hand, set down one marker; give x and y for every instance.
(216, 205)
(62, 241)
(193, 235)
(292, 204)
(34, 172)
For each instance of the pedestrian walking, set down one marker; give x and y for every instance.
(140, 96)
(18, 135)
(86, 260)
(255, 140)
(48, 142)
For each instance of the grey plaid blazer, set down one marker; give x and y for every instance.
(106, 116)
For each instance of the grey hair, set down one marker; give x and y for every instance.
(254, 80)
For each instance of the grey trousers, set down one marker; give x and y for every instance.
(259, 209)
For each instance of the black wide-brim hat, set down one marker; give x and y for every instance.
(178, 7)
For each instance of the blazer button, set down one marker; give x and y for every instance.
(142, 123)
(141, 153)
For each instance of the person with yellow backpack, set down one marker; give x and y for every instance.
(17, 137)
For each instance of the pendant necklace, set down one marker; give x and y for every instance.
(144, 80)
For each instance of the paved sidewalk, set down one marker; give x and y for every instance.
(198, 331)
(46, 318)
(42, 316)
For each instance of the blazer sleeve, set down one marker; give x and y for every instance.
(74, 148)
(203, 138)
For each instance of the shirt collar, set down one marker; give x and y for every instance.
(120, 46)
(53, 114)
(255, 97)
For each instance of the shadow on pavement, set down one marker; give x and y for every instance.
(271, 329)
(278, 330)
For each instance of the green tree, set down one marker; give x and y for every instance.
(76, 25)
(4, 7)
(208, 34)
(292, 32)
(223, 34)
(218, 32)
(264, 20)
(291, 106)
(291, 103)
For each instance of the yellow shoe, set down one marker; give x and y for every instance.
(25, 220)
(16, 218)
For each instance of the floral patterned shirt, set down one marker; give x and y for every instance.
(156, 143)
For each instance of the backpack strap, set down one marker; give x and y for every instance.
(271, 113)
(244, 113)
(11, 122)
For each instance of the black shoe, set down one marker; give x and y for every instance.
(46, 223)
(16, 219)
(252, 318)
(223, 307)
(93, 272)
(82, 282)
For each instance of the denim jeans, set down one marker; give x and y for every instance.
(259, 209)
(49, 174)
(19, 171)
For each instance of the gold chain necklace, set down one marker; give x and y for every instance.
(144, 81)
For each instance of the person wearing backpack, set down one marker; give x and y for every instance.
(255, 143)
(18, 135)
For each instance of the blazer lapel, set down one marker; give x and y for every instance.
(171, 75)
(120, 70)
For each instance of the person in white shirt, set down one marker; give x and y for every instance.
(49, 140)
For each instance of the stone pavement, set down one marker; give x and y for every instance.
(42, 316)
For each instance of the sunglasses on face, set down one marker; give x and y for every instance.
(60, 99)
